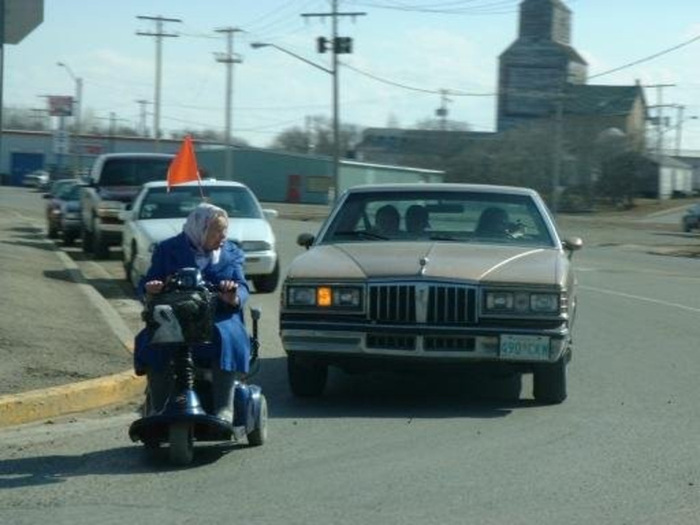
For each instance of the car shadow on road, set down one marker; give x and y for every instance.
(430, 394)
(39, 244)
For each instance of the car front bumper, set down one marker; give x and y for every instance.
(474, 345)
(260, 263)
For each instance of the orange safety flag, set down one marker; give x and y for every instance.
(183, 168)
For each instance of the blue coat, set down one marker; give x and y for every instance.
(232, 346)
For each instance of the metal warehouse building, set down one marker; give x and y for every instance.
(274, 176)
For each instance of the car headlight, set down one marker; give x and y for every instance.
(325, 297)
(255, 246)
(504, 302)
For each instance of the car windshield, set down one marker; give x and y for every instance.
(68, 192)
(134, 171)
(158, 203)
(474, 217)
(60, 186)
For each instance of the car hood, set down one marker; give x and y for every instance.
(239, 229)
(470, 262)
(68, 206)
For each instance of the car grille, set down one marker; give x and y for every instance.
(391, 342)
(422, 303)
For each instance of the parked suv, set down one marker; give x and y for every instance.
(115, 179)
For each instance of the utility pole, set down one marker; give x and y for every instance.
(228, 58)
(557, 148)
(336, 45)
(442, 111)
(679, 125)
(142, 116)
(660, 114)
(159, 35)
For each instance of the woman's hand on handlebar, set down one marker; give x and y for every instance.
(228, 292)
(154, 287)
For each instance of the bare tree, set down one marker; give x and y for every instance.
(317, 137)
(520, 157)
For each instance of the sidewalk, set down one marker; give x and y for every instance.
(57, 333)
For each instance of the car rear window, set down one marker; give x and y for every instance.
(133, 171)
(238, 202)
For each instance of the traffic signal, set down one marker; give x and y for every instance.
(322, 44)
(343, 45)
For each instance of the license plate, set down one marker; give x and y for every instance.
(525, 347)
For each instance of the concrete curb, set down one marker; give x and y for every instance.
(35, 405)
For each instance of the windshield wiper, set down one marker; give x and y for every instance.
(361, 234)
(438, 237)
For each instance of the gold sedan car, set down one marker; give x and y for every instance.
(432, 273)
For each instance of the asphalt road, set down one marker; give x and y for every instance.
(622, 449)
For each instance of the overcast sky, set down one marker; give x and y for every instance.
(412, 48)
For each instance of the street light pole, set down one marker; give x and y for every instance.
(77, 107)
(336, 108)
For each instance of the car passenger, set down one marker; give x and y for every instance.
(493, 222)
(416, 220)
(387, 220)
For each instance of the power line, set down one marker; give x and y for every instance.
(646, 59)
(453, 92)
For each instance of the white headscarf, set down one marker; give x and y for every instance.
(195, 229)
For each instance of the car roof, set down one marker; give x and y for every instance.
(207, 183)
(442, 187)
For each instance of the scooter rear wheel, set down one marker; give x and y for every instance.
(259, 434)
(181, 439)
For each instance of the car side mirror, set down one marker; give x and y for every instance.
(305, 240)
(571, 245)
(270, 214)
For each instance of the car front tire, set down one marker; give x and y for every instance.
(268, 283)
(99, 247)
(86, 239)
(307, 376)
(549, 382)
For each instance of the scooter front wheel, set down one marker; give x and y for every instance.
(181, 439)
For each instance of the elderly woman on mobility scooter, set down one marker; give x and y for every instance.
(203, 245)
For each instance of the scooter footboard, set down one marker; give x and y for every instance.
(154, 429)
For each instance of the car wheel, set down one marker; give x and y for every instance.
(68, 239)
(129, 268)
(86, 238)
(549, 382)
(99, 247)
(268, 283)
(307, 376)
(52, 232)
